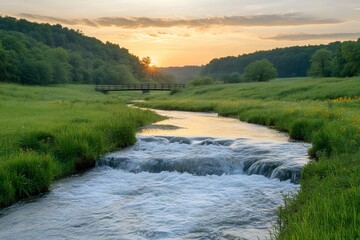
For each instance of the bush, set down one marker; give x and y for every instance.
(175, 91)
(234, 77)
(201, 81)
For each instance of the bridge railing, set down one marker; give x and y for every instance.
(139, 86)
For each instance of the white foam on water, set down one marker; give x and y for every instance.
(169, 187)
(113, 204)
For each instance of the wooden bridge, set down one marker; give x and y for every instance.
(144, 87)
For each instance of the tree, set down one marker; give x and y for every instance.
(3, 61)
(289, 61)
(77, 63)
(234, 77)
(146, 61)
(260, 71)
(36, 72)
(350, 52)
(59, 59)
(124, 74)
(150, 73)
(321, 63)
(29, 49)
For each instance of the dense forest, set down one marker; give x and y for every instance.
(41, 54)
(293, 61)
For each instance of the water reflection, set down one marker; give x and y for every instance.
(191, 124)
(192, 176)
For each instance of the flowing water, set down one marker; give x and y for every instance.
(193, 176)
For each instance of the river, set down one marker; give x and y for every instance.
(192, 176)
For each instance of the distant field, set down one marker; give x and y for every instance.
(325, 112)
(50, 132)
(278, 89)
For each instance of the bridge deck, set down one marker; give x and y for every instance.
(145, 87)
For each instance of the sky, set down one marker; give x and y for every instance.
(193, 32)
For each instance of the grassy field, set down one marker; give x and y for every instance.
(50, 132)
(325, 112)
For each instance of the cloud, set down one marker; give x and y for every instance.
(159, 33)
(308, 36)
(292, 19)
(83, 21)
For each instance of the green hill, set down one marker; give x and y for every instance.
(41, 54)
(291, 61)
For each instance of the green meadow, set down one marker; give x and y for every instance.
(50, 132)
(321, 111)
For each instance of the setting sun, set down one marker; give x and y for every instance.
(154, 62)
(151, 113)
(171, 29)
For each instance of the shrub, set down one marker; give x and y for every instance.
(234, 77)
(201, 81)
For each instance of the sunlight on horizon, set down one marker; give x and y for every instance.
(195, 32)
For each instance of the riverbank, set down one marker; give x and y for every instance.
(206, 173)
(47, 133)
(324, 112)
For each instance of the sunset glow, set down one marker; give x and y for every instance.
(194, 32)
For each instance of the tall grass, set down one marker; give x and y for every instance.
(29, 173)
(52, 132)
(293, 89)
(325, 112)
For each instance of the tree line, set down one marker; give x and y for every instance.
(343, 62)
(257, 71)
(339, 59)
(41, 54)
